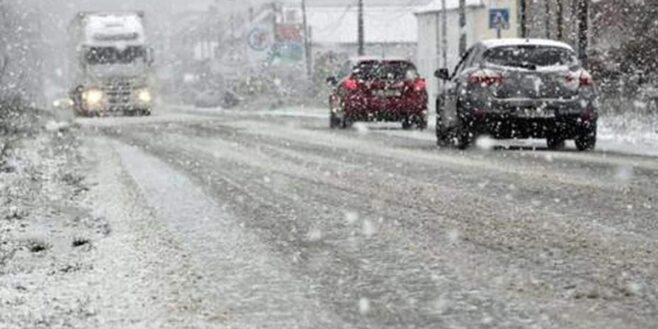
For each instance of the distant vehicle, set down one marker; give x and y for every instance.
(379, 90)
(208, 99)
(110, 64)
(518, 88)
(63, 103)
(214, 99)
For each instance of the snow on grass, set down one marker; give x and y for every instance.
(351, 217)
(56, 126)
(364, 306)
(369, 229)
(624, 174)
(314, 235)
(635, 129)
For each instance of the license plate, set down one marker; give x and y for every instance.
(535, 113)
(388, 93)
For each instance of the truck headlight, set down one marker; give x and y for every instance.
(93, 96)
(144, 96)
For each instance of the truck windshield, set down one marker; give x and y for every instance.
(113, 55)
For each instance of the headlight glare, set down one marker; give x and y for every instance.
(93, 96)
(144, 96)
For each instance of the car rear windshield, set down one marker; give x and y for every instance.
(375, 70)
(530, 57)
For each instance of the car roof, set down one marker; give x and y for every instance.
(495, 43)
(378, 59)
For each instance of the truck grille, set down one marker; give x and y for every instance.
(119, 92)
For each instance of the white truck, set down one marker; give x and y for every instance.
(110, 64)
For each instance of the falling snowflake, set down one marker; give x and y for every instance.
(314, 235)
(364, 306)
(351, 217)
(368, 228)
(485, 143)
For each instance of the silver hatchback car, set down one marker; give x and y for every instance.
(518, 88)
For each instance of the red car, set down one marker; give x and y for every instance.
(379, 90)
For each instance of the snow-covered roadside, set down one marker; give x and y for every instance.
(629, 133)
(47, 234)
(626, 133)
(78, 248)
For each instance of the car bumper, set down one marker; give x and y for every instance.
(386, 109)
(532, 119)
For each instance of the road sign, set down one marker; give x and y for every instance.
(499, 19)
(259, 39)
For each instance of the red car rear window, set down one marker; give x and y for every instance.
(392, 70)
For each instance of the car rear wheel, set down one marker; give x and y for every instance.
(442, 133)
(464, 137)
(421, 123)
(459, 136)
(334, 121)
(407, 124)
(555, 143)
(338, 121)
(442, 137)
(586, 142)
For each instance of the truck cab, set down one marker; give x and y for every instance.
(111, 64)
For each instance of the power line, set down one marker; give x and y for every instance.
(338, 21)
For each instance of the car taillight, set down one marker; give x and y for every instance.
(485, 78)
(351, 84)
(586, 79)
(580, 79)
(420, 85)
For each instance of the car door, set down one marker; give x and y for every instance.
(448, 109)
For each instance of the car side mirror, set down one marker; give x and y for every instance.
(442, 74)
(332, 81)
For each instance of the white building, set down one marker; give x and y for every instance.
(390, 31)
(482, 17)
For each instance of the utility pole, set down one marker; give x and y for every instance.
(583, 30)
(462, 27)
(361, 32)
(523, 19)
(307, 43)
(547, 18)
(444, 33)
(560, 20)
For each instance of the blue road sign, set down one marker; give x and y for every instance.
(259, 39)
(499, 18)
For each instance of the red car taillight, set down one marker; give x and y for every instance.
(486, 78)
(351, 84)
(580, 79)
(420, 85)
(586, 79)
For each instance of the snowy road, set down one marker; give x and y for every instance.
(283, 223)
